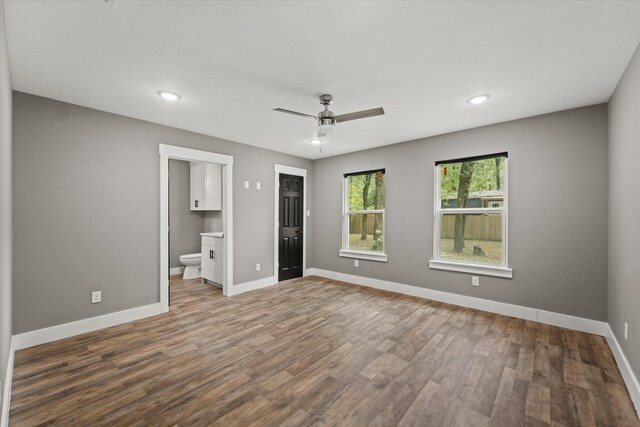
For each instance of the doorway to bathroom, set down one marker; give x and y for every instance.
(205, 210)
(195, 223)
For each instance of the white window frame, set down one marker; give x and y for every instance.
(437, 263)
(345, 252)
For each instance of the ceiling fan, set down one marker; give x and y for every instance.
(327, 119)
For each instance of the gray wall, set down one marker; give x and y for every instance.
(5, 204)
(557, 211)
(185, 225)
(86, 196)
(212, 221)
(624, 211)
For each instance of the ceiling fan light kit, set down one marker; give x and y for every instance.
(327, 119)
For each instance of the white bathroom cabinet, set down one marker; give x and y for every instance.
(206, 187)
(212, 259)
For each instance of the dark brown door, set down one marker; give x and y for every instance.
(290, 240)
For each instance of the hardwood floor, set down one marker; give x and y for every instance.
(319, 352)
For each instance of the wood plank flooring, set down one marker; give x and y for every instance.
(313, 351)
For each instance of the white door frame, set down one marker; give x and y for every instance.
(180, 153)
(289, 170)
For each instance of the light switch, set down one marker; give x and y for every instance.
(246, 185)
(258, 186)
(308, 213)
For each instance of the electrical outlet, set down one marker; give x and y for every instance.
(258, 185)
(626, 331)
(475, 280)
(356, 263)
(246, 185)
(96, 297)
(258, 267)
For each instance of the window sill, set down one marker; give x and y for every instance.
(480, 269)
(369, 256)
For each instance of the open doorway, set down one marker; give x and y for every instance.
(290, 222)
(224, 221)
(196, 252)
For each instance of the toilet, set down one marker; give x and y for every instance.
(191, 264)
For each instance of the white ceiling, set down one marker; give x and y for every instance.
(233, 62)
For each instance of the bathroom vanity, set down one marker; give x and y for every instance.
(213, 257)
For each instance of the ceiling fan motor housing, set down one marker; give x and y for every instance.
(328, 120)
(326, 117)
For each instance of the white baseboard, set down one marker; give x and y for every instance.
(252, 286)
(176, 270)
(581, 324)
(6, 388)
(54, 333)
(563, 320)
(630, 378)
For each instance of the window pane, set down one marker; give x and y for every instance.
(474, 184)
(366, 192)
(479, 238)
(366, 232)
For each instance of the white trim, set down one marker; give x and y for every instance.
(471, 210)
(436, 207)
(227, 226)
(557, 319)
(66, 330)
(366, 212)
(288, 170)
(187, 154)
(369, 256)
(505, 216)
(6, 390)
(628, 375)
(176, 270)
(164, 230)
(191, 155)
(253, 285)
(480, 269)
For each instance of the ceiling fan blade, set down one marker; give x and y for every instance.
(282, 110)
(359, 115)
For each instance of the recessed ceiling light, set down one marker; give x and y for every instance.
(478, 99)
(169, 96)
(315, 141)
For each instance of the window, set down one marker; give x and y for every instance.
(470, 218)
(363, 216)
